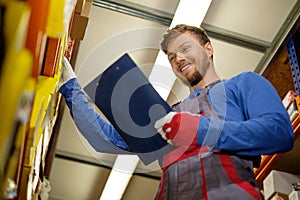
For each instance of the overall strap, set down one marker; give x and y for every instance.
(232, 174)
(198, 105)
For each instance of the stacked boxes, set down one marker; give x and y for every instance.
(279, 184)
(81, 18)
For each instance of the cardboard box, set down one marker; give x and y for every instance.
(80, 21)
(279, 182)
(279, 196)
(79, 26)
(294, 195)
(87, 8)
(289, 98)
(79, 6)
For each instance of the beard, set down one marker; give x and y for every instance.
(192, 80)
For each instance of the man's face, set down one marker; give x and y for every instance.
(188, 58)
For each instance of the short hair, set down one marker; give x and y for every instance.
(199, 32)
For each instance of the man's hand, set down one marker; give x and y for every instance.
(67, 72)
(178, 128)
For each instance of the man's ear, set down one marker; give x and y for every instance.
(209, 49)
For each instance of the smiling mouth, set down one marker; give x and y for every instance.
(184, 68)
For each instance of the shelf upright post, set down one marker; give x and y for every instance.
(293, 47)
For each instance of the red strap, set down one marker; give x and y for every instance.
(182, 153)
(162, 186)
(234, 177)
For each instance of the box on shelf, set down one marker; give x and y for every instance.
(279, 196)
(80, 22)
(52, 56)
(279, 182)
(292, 110)
(36, 38)
(294, 195)
(79, 6)
(59, 16)
(289, 98)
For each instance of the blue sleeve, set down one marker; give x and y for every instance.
(265, 129)
(101, 135)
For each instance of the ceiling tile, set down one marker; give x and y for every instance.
(254, 18)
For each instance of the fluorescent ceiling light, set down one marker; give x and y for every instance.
(190, 12)
(119, 177)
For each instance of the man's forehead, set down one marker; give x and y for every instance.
(180, 40)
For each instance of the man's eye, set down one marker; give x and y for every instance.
(171, 58)
(184, 49)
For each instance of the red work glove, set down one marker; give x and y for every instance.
(178, 128)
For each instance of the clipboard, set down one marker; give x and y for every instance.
(131, 104)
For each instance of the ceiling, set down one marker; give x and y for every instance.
(247, 35)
